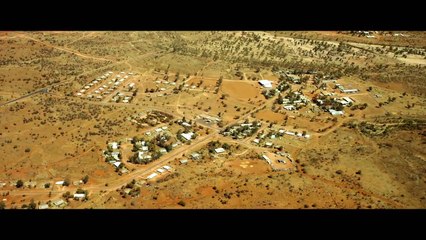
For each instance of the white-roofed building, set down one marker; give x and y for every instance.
(114, 145)
(115, 156)
(60, 183)
(187, 136)
(153, 175)
(186, 124)
(79, 195)
(58, 202)
(336, 113)
(43, 206)
(168, 168)
(219, 150)
(265, 83)
(289, 107)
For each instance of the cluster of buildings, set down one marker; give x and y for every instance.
(294, 100)
(150, 150)
(113, 156)
(242, 130)
(187, 135)
(101, 91)
(333, 105)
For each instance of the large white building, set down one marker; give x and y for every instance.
(265, 83)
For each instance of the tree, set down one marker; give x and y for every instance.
(226, 146)
(182, 203)
(47, 185)
(280, 99)
(85, 179)
(169, 148)
(66, 182)
(66, 195)
(2, 205)
(19, 183)
(32, 204)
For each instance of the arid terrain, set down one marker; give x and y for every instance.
(213, 119)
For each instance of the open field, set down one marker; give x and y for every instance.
(161, 119)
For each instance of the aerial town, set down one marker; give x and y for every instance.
(212, 120)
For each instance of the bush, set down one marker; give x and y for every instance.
(85, 179)
(32, 204)
(19, 183)
(66, 195)
(182, 203)
(66, 182)
(47, 185)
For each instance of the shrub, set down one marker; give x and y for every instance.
(19, 183)
(85, 179)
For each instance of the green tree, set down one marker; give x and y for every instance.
(32, 204)
(19, 183)
(2, 205)
(182, 203)
(226, 146)
(66, 195)
(85, 179)
(66, 182)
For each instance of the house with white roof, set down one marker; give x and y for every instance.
(186, 124)
(43, 206)
(168, 168)
(219, 150)
(187, 136)
(79, 195)
(60, 183)
(265, 83)
(114, 145)
(336, 113)
(153, 175)
(115, 155)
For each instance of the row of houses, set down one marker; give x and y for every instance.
(105, 89)
(242, 130)
(273, 134)
(159, 172)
